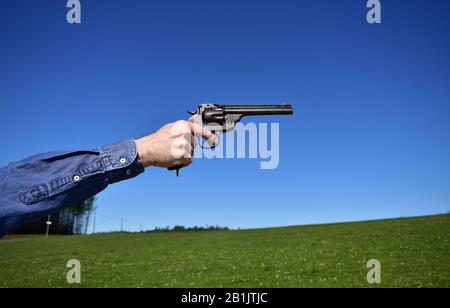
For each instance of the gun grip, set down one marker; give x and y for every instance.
(176, 168)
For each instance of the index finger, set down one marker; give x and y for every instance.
(198, 130)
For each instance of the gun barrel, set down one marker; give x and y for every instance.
(257, 110)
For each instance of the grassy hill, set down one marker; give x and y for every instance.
(414, 252)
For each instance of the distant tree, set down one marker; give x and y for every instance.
(179, 228)
(69, 221)
(186, 229)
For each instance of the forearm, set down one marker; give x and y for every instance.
(47, 183)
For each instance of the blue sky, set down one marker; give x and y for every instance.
(370, 137)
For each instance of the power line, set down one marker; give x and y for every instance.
(107, 217)
(122, 221)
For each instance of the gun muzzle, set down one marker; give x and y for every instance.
(257, 110)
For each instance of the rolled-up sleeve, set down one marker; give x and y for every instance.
(46, 183)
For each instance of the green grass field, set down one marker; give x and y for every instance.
(414, 252)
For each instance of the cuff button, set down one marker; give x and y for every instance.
(76, 178)
(128, 172)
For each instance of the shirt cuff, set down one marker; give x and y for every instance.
(120, 161)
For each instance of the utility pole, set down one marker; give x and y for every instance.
(121, 226)
(140, 226)
(48, 223)
(95, 221)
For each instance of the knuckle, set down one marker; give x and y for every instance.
(188, 161)
(177, 154)
(180, 123)
(181, 143)
(185, 143)
(182, 128)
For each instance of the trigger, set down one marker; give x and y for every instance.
(217, 134)
(213, 146)
(210, 146)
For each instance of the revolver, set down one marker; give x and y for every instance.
(220, 119)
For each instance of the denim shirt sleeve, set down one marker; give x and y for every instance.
(46, 183)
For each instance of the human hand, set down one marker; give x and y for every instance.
(173, 145)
